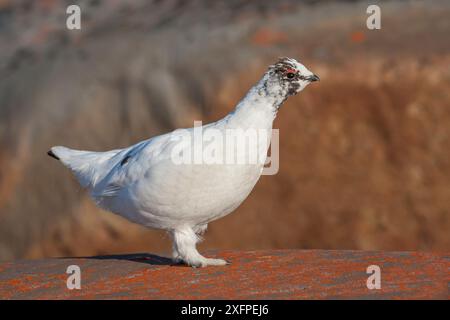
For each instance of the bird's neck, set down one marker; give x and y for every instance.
(258, 109)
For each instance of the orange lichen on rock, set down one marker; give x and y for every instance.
(274, 274)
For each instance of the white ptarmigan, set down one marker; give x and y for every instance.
(145, 184)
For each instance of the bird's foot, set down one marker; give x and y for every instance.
(208, 262)
(184, 248)
(216, 262)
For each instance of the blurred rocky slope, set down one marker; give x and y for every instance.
(365, 153)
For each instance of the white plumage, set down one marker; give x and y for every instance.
(144, 184)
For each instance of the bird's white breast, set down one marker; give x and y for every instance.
(153, 190)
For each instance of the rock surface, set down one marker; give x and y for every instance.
(271, 274)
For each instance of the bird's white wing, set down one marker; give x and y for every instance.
(130, 164)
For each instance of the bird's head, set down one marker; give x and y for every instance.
(287, 77)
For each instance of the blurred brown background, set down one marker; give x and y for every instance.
(365, 153)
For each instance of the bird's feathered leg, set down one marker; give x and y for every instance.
(175, 255)
(200, 230)
(184, 245)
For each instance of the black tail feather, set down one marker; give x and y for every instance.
(51, 154)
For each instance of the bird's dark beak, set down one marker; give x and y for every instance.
(313, 78)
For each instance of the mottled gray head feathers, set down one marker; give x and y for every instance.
(292, 75)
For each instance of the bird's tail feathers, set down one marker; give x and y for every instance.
(82, 163)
